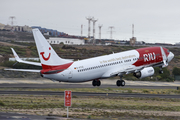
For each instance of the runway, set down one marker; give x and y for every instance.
(110, 82)
(78, 94)
(76, 85)
(106, 84)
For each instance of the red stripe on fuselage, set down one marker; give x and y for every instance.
(148, 55)
(59, 68)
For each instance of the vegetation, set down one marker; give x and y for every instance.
(176, 71)
(1, 103)
(166, 76)
(92, 107)
(82, 52)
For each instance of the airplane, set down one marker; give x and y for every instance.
(140, 62)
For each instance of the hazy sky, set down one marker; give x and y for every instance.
(154, 20)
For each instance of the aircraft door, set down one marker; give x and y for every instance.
(70, 73)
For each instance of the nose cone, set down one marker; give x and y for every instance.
(170, 56)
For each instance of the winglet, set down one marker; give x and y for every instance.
(22, 61)
(16, 56)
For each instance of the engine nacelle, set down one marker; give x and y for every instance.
(146, 72)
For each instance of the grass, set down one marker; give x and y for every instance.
(50, 101)
(94, 107)
(90, 107)
(1, 103)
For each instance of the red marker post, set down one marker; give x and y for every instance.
(67, 99)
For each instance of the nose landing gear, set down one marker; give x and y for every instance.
(160, 70)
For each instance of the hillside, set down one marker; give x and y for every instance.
(76, 52)
(9, 36)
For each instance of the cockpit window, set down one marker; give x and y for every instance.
(168, 51)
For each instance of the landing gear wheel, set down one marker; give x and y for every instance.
(160, 71)
(96, 82)
(120, 83)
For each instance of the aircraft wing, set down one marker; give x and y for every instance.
(121, 71)
(24, 70)
(22, 61)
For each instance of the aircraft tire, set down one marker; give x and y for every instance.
(98, 83)
(122, 83)
(118, 83)
(160, 71)
(94, 82)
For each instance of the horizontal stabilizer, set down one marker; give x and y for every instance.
(24, 70)
(22, 61)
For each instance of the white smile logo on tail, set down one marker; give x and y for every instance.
(42, 53)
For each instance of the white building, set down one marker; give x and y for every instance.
(68, 41)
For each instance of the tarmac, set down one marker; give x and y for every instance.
(39, 83)
(103, 82)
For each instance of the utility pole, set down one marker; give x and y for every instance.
(133, 39)
(111, 28)
(94, 21)
(12, 22)
(12, 17)
(89, 26)
(100, 26)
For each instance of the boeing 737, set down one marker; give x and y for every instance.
(140, 62)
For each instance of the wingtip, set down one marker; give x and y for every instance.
(12, 49)
(15, 55)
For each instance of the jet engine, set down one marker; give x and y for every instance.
(146, 72)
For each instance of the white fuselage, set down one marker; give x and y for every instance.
(96, 68)
(140, 62)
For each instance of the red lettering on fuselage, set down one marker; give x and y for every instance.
(149, 56)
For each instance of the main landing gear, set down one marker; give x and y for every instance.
(120, 82)
(96, 82)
